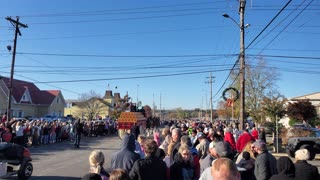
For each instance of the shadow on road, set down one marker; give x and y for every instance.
(85, 144)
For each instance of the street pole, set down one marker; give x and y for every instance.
(137, 93)
(211, 105)
(160, 109)
(17, 24)
(242, 65)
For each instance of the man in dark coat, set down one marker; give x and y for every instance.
(151, 167)
(304, 170)
(77, 132)
(266, 163)
(125, 158)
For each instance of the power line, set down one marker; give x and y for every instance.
(287, 25)
(35, 81)
(161, 56)
(120, 19)
(268, 24)
(126, 56)
(120, 34)
(136, 77)
(115, 10)
(287, 57)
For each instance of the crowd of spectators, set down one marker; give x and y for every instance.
(32, 133)
(195, 150)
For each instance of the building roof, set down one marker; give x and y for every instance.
(117, 98)
(312, 97)
(108, 94)
(37, 96)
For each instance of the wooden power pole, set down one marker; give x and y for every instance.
(17, 25)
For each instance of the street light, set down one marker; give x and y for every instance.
(227, 16)
(242, 61)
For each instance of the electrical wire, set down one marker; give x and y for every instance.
(268, 24)
(126, 56)
(115, 10)
(134, 77)
(35, 81)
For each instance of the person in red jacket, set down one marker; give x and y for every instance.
(244, 138)
(228, 137)
(255, 133)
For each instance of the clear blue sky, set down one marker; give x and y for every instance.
(162, 40)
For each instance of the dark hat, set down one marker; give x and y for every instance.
(92, 176)
(223, 149)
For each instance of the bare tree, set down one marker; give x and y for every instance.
(91, 105)
(260, 82)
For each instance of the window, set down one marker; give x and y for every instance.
(58, 100)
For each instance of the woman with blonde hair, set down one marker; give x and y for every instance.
(183, 166)
(96, 161)
(249, 148)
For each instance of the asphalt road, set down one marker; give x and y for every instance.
(61, 161)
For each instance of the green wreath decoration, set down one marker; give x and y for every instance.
(233, 89)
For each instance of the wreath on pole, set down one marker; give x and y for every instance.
(230, 101)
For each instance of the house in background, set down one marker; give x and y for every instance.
(314, 98)
(29, 101)
(101, 107)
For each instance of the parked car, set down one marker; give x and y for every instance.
(48, 117)
(311, 143)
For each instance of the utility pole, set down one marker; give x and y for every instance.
(242, 65)
(137, 93)
(153, 109)
(17, 25)
(211, 106)
(160, 115)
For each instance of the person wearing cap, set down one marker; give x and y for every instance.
(266, 163)
(207, 161)
(203, 145)
(221, 150)
(304, 170)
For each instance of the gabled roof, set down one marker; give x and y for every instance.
(37, 96)
(108, 94)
